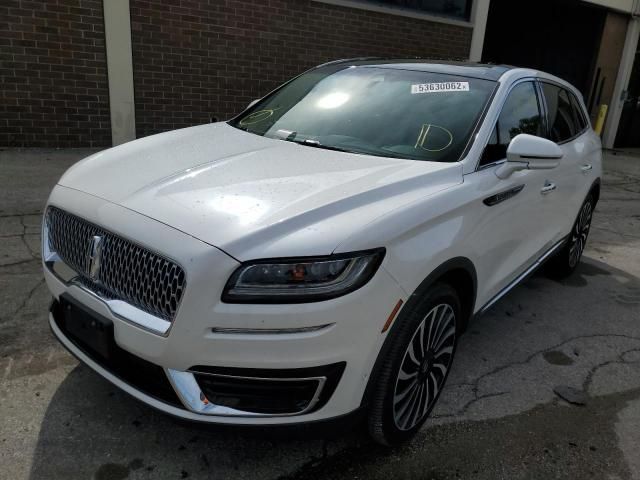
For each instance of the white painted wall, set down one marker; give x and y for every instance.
(479, 14)
(627, 6)
(117, 27)
(622, 82)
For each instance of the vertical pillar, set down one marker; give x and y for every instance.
(622, 82)
(117, 28)
(479, 14)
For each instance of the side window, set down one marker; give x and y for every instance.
(579, 113)
(520, 114)
(563, 122)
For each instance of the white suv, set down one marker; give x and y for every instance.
(320, 254)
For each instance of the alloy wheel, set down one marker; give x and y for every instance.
(424, 366)
(579, 234)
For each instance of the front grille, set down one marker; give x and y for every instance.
(127, 272)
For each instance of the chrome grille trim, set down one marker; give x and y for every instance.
(128, 272)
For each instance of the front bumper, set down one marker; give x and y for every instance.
(203, 390)
(208, 333)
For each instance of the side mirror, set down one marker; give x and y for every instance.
(528, 152)
(252, 103)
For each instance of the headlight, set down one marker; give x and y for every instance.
(300, 280)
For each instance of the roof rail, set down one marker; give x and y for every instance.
(346, 60)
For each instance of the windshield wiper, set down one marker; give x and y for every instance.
(317, 144)
(239, 127)
(290, 136)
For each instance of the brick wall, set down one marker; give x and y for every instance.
(53, 78)
(192, 59)
(198, 59)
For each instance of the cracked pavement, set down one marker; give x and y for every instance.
(499, 415)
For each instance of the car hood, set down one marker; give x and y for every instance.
(253, 196)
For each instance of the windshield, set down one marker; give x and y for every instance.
(373, 110)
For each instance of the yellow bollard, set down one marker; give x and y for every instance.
(602, 115)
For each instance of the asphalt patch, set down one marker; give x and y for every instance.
(557, 358)
(112, 471)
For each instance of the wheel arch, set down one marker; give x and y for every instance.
(595, 191)
(460, 274)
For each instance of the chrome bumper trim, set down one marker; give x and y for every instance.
(118, 308)
(189, 392)
(131, 314)
(270, 331)
(522, 276)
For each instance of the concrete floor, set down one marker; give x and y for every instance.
(498, 418)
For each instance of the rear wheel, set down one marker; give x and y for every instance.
(416, 366)
(565, 262)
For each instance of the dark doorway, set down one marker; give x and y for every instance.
(629, 128)
(557, 36)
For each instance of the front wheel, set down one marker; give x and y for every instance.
(565, 262)
(416, 366)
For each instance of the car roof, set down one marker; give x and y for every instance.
(485, 71)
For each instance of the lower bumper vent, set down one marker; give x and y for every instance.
(269, 391)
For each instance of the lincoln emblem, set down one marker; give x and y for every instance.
(95, 257)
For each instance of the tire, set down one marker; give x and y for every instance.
(408, 386)
(567, 259)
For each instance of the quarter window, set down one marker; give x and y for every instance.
(520, 114)
(564, 121)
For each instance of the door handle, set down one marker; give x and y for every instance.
(586, 167)
(548, 188)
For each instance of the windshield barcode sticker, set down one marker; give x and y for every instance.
(440, 87)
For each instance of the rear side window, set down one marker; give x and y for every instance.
(579, 112)
(565, 122)
(520, 114)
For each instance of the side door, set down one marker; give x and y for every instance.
(513, 230)
(568, 127)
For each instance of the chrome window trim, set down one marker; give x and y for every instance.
(489, 165)
(569, 140)
(192, 397)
